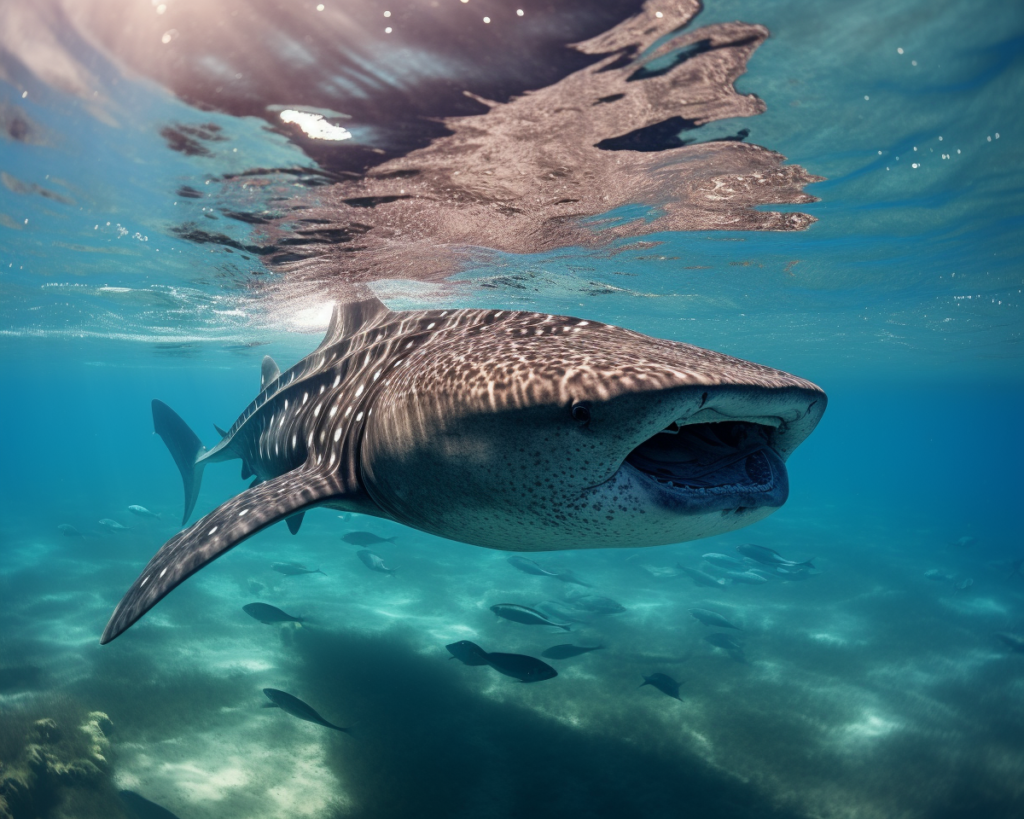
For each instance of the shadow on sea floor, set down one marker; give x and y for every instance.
(428, 744)
(429, 739)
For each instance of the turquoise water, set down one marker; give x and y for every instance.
(868, 690)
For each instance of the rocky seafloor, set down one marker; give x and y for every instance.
(46, 762)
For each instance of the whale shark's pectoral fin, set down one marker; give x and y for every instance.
(269, 372)
(294, 522)
(223, 529)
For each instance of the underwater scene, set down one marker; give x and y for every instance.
(615, 406)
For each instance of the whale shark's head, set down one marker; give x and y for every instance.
(545, 432)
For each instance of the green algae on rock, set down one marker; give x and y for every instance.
(35, 780)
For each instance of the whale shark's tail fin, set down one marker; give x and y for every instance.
(222, 529)
(185, 447)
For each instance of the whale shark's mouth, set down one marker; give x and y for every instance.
(728, 465)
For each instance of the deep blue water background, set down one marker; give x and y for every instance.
(870, 691)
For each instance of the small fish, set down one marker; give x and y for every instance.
(935, 574)
(529, 566)
(769, 557)
(520, 666)
(724, 561)
(567, 650)
(374, 562)
(365, 539)
(268, 614)
(467, 653)
(730, 647)
(68, 530)
(563, 611)
(710, 618)
(245, 345)
(750, 578)
(719, 640)
(526, 616)
(596, 603)
(292, 569)
(664, 683)
(143, 512)
(700, 578)
(297, 708)
(965, 541)
(113, 525)
(532, 567)
(662, 571)
(1014, 641)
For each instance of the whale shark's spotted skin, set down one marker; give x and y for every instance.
(473, 407)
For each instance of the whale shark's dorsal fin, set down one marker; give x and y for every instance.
(220, 432)
(269, 372)
(348, 319)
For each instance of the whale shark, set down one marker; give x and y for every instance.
(510, 430)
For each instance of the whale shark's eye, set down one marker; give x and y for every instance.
(581, 413)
